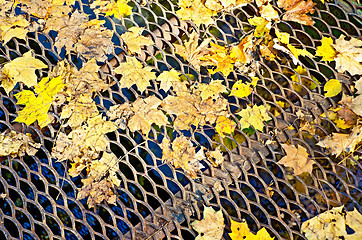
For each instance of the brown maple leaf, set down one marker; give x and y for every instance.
(297, 158)
(296, 10)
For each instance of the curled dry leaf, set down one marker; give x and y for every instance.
(181, 154)
(333, 223)
(21, 69)
(17, 144)
(133, 72)
(211, 227)
(134, 40)
(297, 158)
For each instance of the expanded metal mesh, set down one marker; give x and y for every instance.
(156, 201)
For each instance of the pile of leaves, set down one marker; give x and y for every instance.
(187, 107)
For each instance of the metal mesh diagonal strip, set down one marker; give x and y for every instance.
(156, 201)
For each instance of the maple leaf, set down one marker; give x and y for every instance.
(211, 226)
(211, 90)
(182, 154)
(215, 157)
(21, 69)
(240, 230)
(332, 88)
(297, 158)
(296, 10)
(349, 55)
(133, 72)
(283, 37)
(240, 89)
(117, 9)
(13, 26)
(253, 117)
(17, 144)
(145, 114)
(340, 142)
(220, 57)
(97, 192)
(326, 50)
(195, 11)
(36, 107)
(268, 12)
(333, 223)
(262, 26)
(169, 79)
(5, 6)
(120, 113)
(37, 8)
(192, 51)
(224, 125)
(134, 40)
(107, 165)
(298, 52)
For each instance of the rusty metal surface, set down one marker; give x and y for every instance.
(155, 201)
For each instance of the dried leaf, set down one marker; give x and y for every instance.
(118, 9)
(215, 157)
(254, 117)
(13, 26)
(107, 165)
(262, 26)
(182, 154)
(134, 40)
(297, 10)
(332, 225)
(169, 79)
(349, 55)
(268, 12)
(133, 72)
(224, 125)
(17, 144)
(21, 69)
(211, 90)
(332, 88)
(195, 11)
(240, 230)
(297, 158)
(241, 89)
(211, 227)
(36, 107)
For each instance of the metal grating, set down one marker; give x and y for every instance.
(156, 201)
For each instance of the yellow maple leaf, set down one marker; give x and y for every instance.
(134, 40)
(220, 57)
(191, 51)
(195, 11)
(298, 52)
(211, 226)
(13, 26)
(211, 90)
(268, 12)
(326, 50)
(133, 72)
(297, 158)
(332, 88)
(17, 144)
(21, 69)
(240, 89)
(117, 9)
(253, 117)
(262, 26)
(36, 107)
(224, 125)
(182, 154)
(333, 223)
(349, 55)
(240, 230)
(169, 79)
(283, 37)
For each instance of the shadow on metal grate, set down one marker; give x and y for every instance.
(155, 201)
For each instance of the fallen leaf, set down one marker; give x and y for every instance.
(297, 158)
(224, 125)
(240, 89)
(107, 167)
(225, 5)
(253, 117)
(195, 11)
(134, 40)
(332, 88)
(21, 69)
(326, 50)
(36, 107)
(169, 79)
(220, 57)
(262, 26)
(117, 9)
(191, 51)
(340, 142)
(211, 227)
(17, 144)
(299, 52)
(13, 26)
(296, 10)
(133, 72)
(211, 90)
(268, 12)
(182, 154)
(349, 55)
(283, 37)
(333, 223)
(240, 230)
(215, 157)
